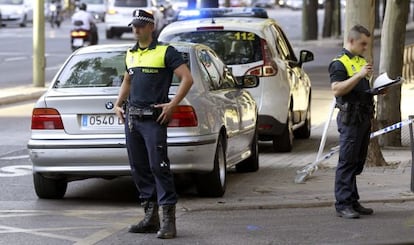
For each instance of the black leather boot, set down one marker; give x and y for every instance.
(168, 229)
(151, 221)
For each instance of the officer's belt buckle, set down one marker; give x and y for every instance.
(140, 112)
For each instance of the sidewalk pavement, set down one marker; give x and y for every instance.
(273, 185)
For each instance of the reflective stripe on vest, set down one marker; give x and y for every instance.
(353, 65)
(140, 58)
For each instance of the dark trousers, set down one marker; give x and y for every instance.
(150, 167)
(353, 142)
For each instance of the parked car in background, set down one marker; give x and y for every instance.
(16, 12)
(75, 133)
(250, 43)
(264, 3)
(97, 8)
(119, 15)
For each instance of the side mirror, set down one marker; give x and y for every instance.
(305, 56)
(249, 81)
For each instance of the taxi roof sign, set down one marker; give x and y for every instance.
(222, 12)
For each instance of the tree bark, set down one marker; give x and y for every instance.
(310, 20)
(328, 18)
(391, 61)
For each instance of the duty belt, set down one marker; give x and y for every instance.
(143, 113)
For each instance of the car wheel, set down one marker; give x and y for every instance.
(250, 164)
(284, 142)
(23, 24)
(213, 184)
(109, 34)
(49, 188)
(304, 132)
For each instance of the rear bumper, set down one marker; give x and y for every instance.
(268, 126)
(106, 157)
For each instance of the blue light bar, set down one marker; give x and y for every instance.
(222, 12)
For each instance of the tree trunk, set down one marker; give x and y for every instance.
(377, 14)
(391, 61)
(363, 13)
(328, 19)
(336, 20)
(310, 20)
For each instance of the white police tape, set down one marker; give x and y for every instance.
(304, 173)
(391, 128)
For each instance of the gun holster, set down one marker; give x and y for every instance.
(347, 113)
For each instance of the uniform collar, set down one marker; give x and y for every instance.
(152, 45)
(349, 54)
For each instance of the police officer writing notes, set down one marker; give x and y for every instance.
(149, 71)
(349, 74)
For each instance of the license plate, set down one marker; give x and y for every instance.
(77, 42)
(101, 121)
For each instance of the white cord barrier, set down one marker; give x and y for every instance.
(308, 170)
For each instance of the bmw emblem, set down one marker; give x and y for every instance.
(109, 105)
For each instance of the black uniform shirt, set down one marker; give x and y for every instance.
(338, 73)
(151, 85)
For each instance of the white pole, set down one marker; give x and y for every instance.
(325, 130)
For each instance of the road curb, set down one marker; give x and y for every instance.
(20, 97)
(232, 207)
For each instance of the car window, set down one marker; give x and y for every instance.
(233, 47)
(214, 72)
(131, 3)
(93, 70)
(282, 45)
(176, 81)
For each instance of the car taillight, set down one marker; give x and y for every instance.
(183, 116)
(78, 33)
(46, 118)
(111, 11)
(269, 67)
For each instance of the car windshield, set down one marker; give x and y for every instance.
(12, 2)
(93, 70)
(131, 3)
(233, 47)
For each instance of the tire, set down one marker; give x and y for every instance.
(284, 142)
(250, 164)
(213, 184)
(49, 188)
(109, 34)
(24, 22)
(304, 132)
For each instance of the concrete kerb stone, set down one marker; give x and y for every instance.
(20, 94)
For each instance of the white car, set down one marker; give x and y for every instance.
(119, 15)
(16, 12)
(97, 8)
(75, 133)
(250, 43)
